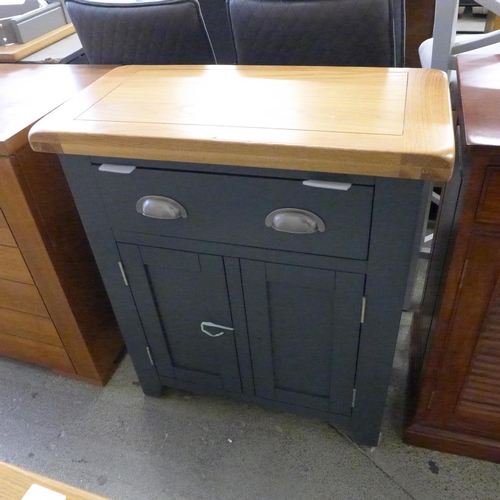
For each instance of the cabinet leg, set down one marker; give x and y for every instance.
(151, 386)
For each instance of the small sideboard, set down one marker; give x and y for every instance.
(254, 226)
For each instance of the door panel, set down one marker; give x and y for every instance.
(175, 292)
(304, 330)
(471, 397)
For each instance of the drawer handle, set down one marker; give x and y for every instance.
(295, 220)
(160, 207)
(204, 324)
(337, 186)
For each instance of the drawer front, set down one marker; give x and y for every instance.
(29, 327)
(22, 298)
(12, 266)
(233, 209)
(489, 205)
(46, 355)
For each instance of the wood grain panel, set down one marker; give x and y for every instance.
(489, 205)
(6, 236)
(481, 390)
(364, 121)
(13, 267)
(22, 105)
(353, 106)
(15, 482)
(29, 327)
(21, 297)
(480, 101)
(35, 352)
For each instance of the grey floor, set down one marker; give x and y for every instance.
(118, 443)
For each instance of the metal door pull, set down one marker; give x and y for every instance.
(204, 324)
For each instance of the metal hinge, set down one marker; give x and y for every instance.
(148, 350)
(363, 309)
(122, 270)
(353, 402)
(431, 399)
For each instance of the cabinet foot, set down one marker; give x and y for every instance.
(151, 386)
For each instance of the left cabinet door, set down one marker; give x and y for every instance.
(183, 303)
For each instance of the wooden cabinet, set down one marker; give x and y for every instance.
(53, 307)
(255, 254)
(458, 406)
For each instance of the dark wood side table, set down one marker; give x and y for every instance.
(458, 407)
(53, 307)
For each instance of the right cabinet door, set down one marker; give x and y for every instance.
(304, 327)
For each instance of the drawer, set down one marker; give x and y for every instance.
(22, 298)
(489, 204)
(6, 237)
(29, 351)
(12, 265)
(233, 209)
(29, 327)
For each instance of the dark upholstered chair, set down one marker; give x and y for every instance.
(318, 32)
(161, 32)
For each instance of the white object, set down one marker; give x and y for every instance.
(37, 492)
(440, 51)
(116, 169)
(204, 324)
(339, 186)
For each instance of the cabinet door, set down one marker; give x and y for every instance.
(304, 329)
(175, 292)
(467, 394)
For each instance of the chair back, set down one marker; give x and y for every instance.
(439, 52)
(318, 32)
(152, 32)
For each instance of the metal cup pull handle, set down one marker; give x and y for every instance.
(205, 324)
(160, 207)
(295, 220)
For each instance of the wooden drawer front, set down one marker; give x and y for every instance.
(29, 327)
(233, 209)
(489, 205)
(21, 297)
(13, 267)
(50, 356)
(6, 237)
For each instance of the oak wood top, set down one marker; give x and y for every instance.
(30, 91)
(15, 482)
(479, 84)
(367, 121)
(17, 51)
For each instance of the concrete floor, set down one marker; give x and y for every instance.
(115, 442)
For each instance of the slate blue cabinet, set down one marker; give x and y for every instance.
(218, 300)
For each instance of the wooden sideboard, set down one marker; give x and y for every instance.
(53, 307)
(458, 399)
(254, 226)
